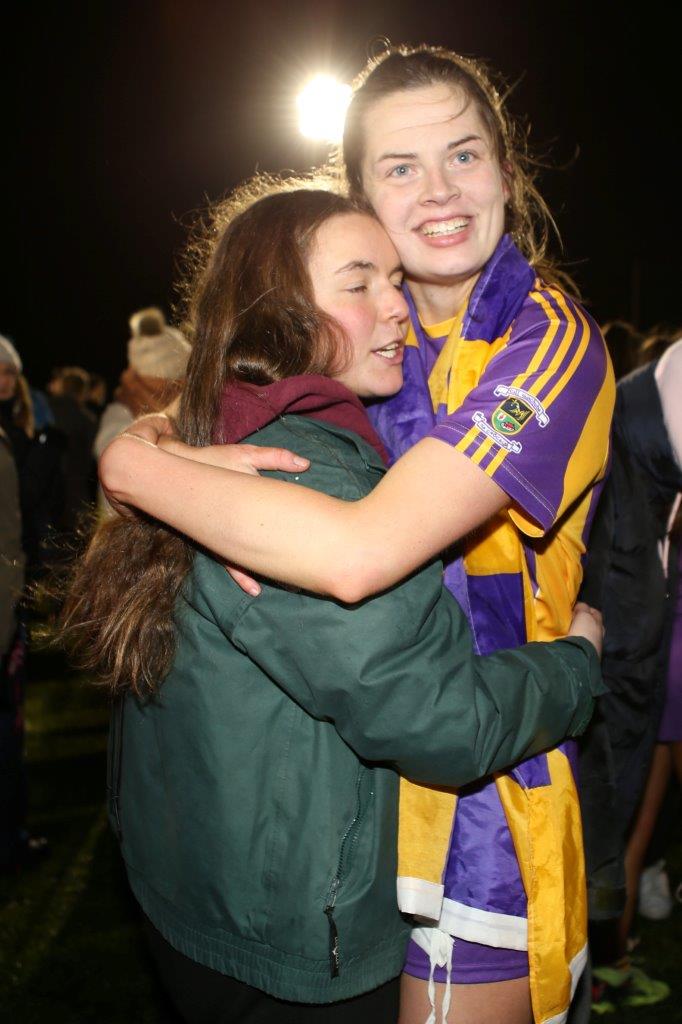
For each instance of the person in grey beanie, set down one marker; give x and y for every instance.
(37, 455)
(24, 484)
(11, 553)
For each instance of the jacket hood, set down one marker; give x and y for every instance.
(246, 408)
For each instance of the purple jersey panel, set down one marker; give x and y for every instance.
(482, 869)
(541, 446)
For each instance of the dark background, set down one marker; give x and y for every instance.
(122, 119)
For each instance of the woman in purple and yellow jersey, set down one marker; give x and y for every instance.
(500, 438)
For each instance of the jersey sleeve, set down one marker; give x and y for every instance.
(538, 420)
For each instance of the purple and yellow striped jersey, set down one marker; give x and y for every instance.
(529, 400)
(533, 410)
(520, 383)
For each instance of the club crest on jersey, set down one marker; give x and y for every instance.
(511, 416)
(500, 439)
(517, 408)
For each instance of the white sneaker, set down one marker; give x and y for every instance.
(655, 901)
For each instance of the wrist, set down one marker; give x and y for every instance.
(596, 682)
(117, 465)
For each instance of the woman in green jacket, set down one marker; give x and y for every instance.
(256, 744)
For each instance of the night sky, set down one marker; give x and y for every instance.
(123, 119)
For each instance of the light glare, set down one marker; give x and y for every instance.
(322, 106)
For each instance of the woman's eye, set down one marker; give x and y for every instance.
(465, 157)
(358, 288)
(400, 171)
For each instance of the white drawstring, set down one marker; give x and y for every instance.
(440, 955)
(664, 545)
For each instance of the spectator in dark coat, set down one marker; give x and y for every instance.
(16, 444)
(626, 578)
(37, 455)
(68, 393)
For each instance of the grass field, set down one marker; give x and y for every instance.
(71, 949)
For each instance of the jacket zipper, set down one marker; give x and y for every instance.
(114, 774)
(346, 844)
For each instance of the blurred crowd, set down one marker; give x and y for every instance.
(49, 444)
(631, 757)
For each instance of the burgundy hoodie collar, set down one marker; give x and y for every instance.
(246, 408)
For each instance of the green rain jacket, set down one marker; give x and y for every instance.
(256, 797)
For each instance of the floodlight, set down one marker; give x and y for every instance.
(322, 106)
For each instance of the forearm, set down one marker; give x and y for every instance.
(248, 520)
(506, 709)
(487, 717)
(401, 684)
(549, 689)
(429, 499)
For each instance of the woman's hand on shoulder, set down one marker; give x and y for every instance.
(151, 427)
(587, 622)
(116, 464)
(240, 458)
(114, 469)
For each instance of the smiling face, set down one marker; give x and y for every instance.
(356, 277)
(434, 180)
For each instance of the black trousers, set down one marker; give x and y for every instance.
(204, 996)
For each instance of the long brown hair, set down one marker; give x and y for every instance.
(401, 68)
(252, 317)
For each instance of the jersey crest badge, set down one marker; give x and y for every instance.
(511, 416)
(500, 439)
(518, 407)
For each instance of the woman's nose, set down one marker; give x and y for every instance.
(395, 305)
(438, 187)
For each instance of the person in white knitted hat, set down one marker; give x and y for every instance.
(157, 362)
(156, 350)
